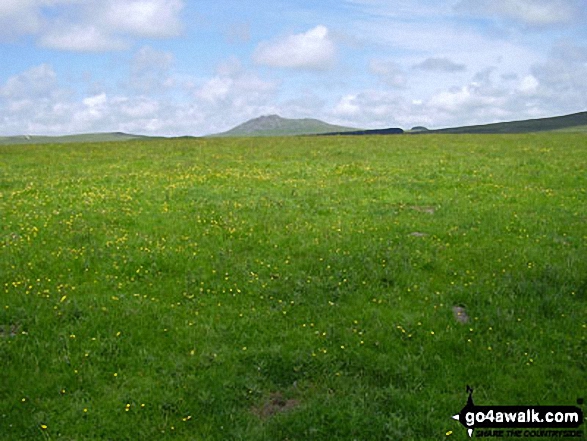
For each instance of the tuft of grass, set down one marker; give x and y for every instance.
(288, 288)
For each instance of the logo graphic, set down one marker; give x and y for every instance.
(510, 418)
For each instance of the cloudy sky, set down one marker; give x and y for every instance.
(194, 67)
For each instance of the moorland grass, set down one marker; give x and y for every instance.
(288, 288)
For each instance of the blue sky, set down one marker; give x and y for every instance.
(179, 67)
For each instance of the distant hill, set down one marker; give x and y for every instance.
(88, 137)
(275, 125)
(576, 122)
(389, 131)
(418, 129)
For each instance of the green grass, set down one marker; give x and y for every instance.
(579, 129)
(288, 288)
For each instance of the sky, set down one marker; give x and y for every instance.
(196, 67)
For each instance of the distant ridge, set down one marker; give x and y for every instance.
(389, 131)
(576, 122)
(275, 125)
(87, 137)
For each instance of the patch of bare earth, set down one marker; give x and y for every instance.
(9, 330)
(423, 209)
(275, 404)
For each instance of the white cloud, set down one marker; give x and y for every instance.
(378, 109)
(150, 70)
(87, 26)
(313, 50)
(147, 59)
(550, 88)
(347, 107)
(440, 64)
(408, 9)
(95, 108)
(216, 89)
(305, 104)
(33, 100)
(34, 103)
(81, 38)
(18, 17)
(528, 12)
(145, 18)
(561, 78)
(441, 47)
(467, 99)
(142, 107)
(389, 72)
(370, 109)
(22, 17)
(96, 101)
(238, 32)
(373, 109)
(12, 7)
(36, 82)
(510, 78)
(432, 50)
(234, 95)
(564, 69)
(529, 84)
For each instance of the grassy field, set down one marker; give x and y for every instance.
(289, 288)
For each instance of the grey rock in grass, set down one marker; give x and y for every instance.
(418, 234)
(460, 314)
